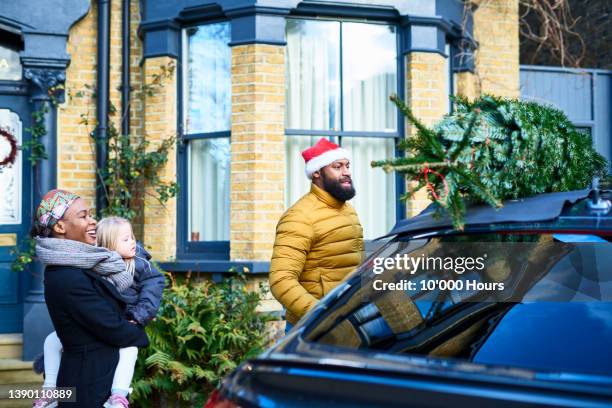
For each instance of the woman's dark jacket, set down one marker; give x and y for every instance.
(144, 296)
(88, 315)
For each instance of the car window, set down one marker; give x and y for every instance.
(467, 296)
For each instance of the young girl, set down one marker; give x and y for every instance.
(139, 283)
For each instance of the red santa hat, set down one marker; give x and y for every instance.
(323, 154)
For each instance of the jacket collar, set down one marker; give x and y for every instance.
(325, 197)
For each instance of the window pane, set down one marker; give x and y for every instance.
(208, 85)
(313, 75)
(295, 176)
(10, 64)
(585, 130)
(369, 75)
(375, 199)
(209, 187)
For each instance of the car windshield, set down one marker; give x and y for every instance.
(538, 301)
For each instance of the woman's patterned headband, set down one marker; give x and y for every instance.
(51, 209)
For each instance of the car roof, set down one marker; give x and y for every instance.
(539, 208)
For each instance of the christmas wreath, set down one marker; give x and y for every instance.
(494, 149)
(9, 160)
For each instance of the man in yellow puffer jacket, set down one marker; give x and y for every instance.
(319, 240)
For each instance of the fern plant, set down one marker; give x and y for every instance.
(203, 331)
(494, 149)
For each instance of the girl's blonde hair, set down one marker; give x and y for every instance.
(107, 232)
(107, 235)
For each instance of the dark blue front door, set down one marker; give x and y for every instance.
(15, 204)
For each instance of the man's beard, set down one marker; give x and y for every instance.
(337, 190)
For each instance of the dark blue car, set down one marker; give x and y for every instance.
(513, 311)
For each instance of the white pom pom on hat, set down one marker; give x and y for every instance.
(322, 154)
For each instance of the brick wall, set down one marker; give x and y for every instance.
(160, 116)
(136, 101)
(76, 154)
(427, 95)
(466, 85)
(136, 98)
(496, 29)
(257, 149)
(76, 150)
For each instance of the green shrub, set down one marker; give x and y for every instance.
(203, 331)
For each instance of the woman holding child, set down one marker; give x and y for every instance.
(100, 290)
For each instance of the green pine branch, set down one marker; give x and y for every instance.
(493, 149)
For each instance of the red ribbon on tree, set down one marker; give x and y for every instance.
(9, 160)
(426, 171)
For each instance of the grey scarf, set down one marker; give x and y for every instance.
(66, 252)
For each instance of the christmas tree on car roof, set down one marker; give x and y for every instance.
(491, 150)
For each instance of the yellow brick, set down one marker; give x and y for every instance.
(496, 31)
(68, 184)
(242, 89)
(67, 165)
(243, 69)
(241, 59)
(278, 59)
(82, 157)
(81, 175)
